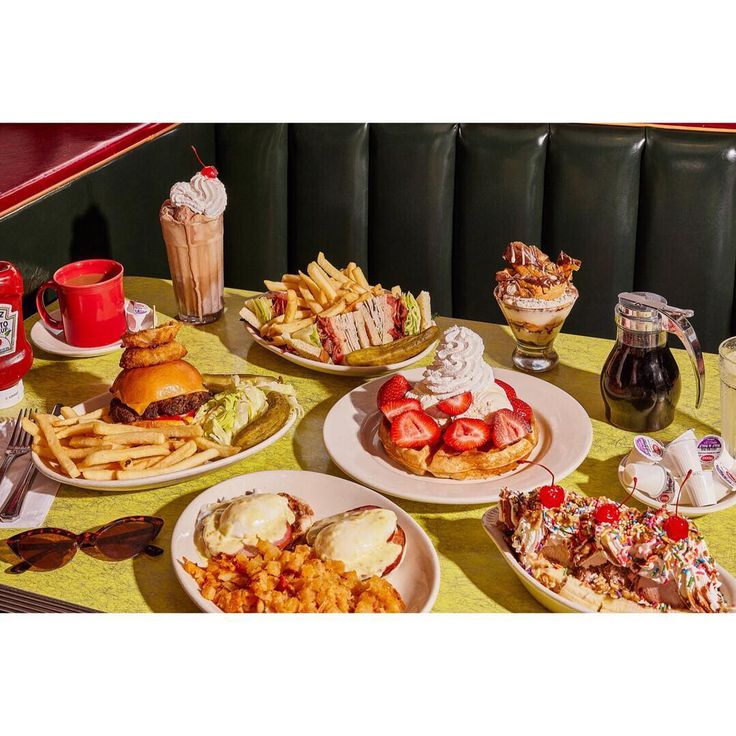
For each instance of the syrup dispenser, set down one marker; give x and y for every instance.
(640, 381)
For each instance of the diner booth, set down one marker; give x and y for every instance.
(330, 215)
(425, 205)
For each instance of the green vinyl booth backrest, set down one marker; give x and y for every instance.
(432, 206)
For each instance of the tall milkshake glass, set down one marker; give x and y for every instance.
(192, 228)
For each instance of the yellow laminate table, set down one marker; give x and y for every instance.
(474, 577)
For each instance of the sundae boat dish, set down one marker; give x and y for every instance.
(535, 295)
(457, 422)
(609, 557)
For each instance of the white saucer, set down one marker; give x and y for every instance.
(52, 341)
(683, 509)
(351, 438)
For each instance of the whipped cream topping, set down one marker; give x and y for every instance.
(201, 194)
(459, 367)
(567, 298)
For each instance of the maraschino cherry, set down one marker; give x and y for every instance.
(550, 496)
(677, 527)
(209, 171)
(610, 513)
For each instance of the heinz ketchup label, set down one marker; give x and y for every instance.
(8, 329)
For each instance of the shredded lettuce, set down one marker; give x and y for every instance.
(412, 325)
(261, 306)
(309, 334)
(227, 412)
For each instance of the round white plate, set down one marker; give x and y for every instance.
(417, 578)
(343, 370)
(548, 598)
(52, 341)
(351, 437)
(165, 479)
(726, 502)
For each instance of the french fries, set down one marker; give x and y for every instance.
(323, 291)
(88, 446)
(60, 453)
(186, 450)
(192, 462)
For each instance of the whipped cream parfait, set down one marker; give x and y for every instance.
(535, 295)
(535, 323)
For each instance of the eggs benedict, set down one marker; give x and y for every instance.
(237, 524)
(367, 540)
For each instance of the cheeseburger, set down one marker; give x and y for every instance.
(156, 384)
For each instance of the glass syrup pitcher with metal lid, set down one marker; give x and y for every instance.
(640, 381)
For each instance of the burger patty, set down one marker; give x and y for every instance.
(120, 412)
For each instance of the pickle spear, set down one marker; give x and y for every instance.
(267, 424)
(217, 382)
(396, 351)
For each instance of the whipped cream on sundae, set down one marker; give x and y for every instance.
(458, 367)
(203, 195)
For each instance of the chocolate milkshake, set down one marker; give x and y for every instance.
(192, 227)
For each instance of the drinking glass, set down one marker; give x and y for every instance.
(727, 360)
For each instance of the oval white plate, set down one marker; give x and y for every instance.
(548, 598)
(343, 370)
(165, 479)
(417, 578)
(53, 342)
(726, 502)
(351, 437)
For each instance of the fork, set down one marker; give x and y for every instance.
(10, 510)
(20, 442)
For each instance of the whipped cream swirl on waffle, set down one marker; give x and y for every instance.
(459, 367)
(458, 364)
(202, 194)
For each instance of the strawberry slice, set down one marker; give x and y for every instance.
(507, 428)
(392, 409)
(414, 429)
(393, 390)
(522, 409)
(510, 393)
(456, 404)
(467, 434)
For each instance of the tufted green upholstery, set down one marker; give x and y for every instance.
(429, 206)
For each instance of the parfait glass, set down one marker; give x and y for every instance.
(535, 324)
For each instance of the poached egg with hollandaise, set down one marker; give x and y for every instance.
(367, 540)
(229, 526)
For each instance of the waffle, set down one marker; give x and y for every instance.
(468, 465)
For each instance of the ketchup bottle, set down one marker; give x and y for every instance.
(16, 355)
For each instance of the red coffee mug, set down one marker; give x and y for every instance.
(91, 302)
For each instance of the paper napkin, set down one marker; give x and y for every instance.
(40, 496)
